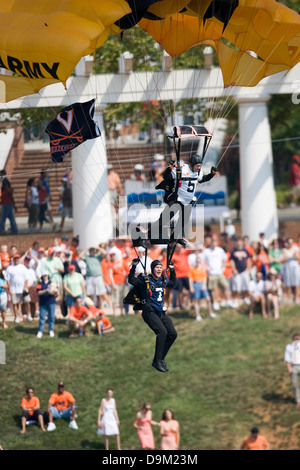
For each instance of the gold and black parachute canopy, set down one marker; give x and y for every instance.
(41, 41)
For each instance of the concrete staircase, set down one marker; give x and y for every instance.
(31, 162)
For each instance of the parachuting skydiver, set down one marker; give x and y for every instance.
(147, 295)
(179, 183)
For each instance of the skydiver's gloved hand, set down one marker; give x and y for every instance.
(135, 262)
(214, 170)
(171, 265)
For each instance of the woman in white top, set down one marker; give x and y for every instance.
(290, 267)
(108, 420)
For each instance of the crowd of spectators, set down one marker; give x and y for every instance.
(79, 283)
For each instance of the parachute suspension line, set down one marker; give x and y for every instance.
(144, 266)
(170, 252)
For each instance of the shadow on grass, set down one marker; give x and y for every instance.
(182, 314)
(278, 398)
(90, 445)
(27, 331)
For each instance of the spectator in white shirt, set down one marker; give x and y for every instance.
(257, 294)
(140, 269)
(215, 259)
(17, 280)
(292, 360)
(30, 302)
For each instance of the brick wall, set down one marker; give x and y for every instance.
(25, 241)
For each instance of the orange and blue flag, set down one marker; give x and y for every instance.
(71, 127)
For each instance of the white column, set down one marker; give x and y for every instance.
(92, 214)
(258, 199)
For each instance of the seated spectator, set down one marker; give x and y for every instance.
(62, 405)
(79, 317)
(257, 294)
(88, 303)
(198, 288)
(103, 324)
(74, 286)
(274, 292)
(255, 441)
(47, 293)
(31, 410)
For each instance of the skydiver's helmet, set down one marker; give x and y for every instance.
(195, 160)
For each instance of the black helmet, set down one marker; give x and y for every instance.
(154, 264)
(195, 160)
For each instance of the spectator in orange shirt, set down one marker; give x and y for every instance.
(247, 245)
(103, 324)
(31, 410)
(180, 261)
(155, 251)
(61, 405)
(4, 256)
(105, 265)
(255, 441)
(79, 317)
(228, 273)
(198, 288)
(118, 275)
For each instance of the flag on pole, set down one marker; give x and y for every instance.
(71, 127)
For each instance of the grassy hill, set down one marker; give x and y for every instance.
(226, 376)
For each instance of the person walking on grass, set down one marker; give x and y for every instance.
(108, 419)
(292, 360)
(142, 423)
(169, 431)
